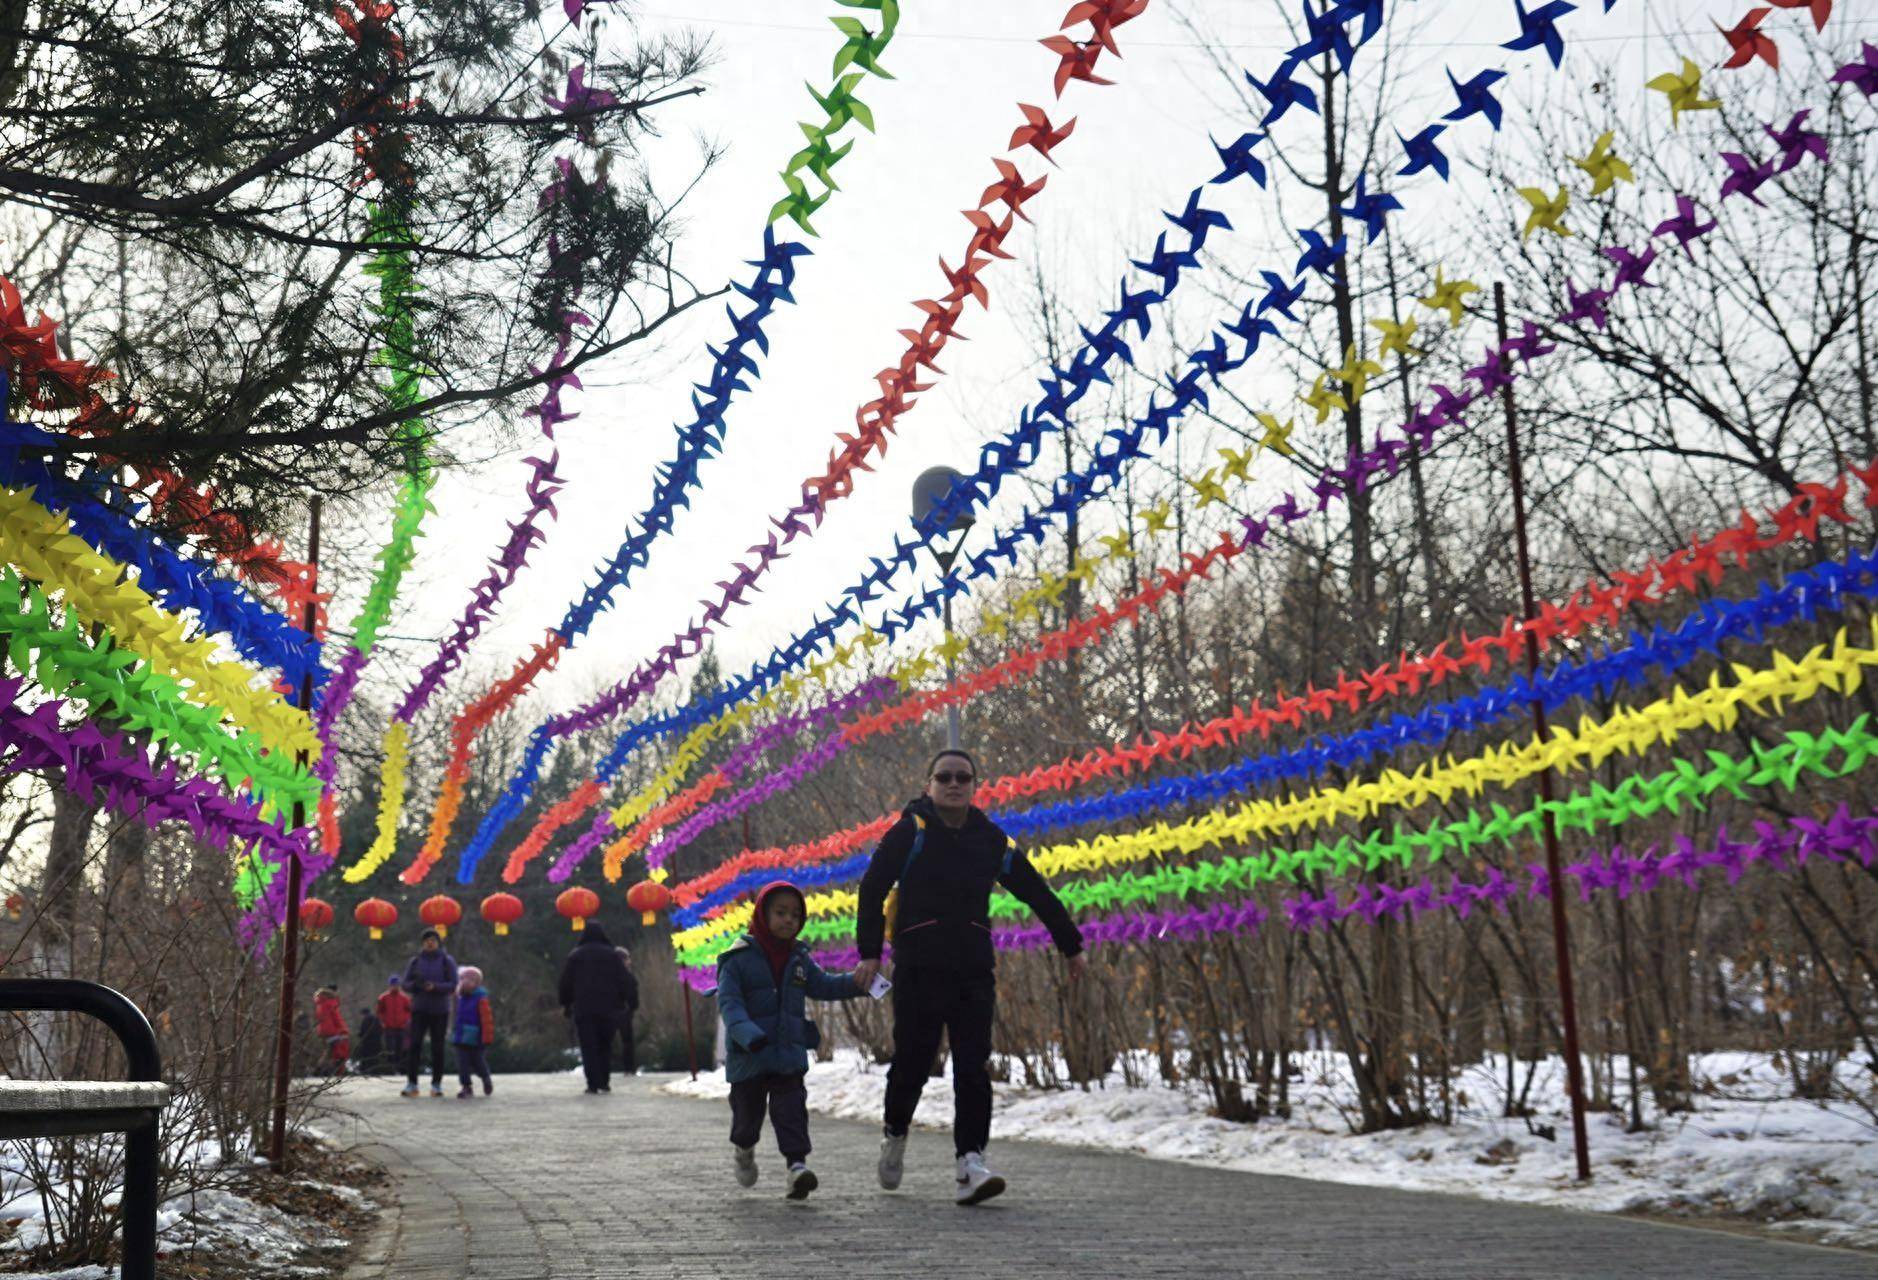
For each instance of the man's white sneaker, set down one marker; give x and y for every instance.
(743, 1159)
(977, 1184)
(801, 1181)
(892, 1161)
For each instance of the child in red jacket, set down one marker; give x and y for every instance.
(394, 1015)
(474, 1032)
(331, 1024)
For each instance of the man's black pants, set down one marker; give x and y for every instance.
(960, 1004)
(786, 1099)
(438, 1025)
(628, 1059)
(596, 1038)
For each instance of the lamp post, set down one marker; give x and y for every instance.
(929, 491)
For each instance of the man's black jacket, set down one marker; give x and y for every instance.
(593, 980)
(943, 919)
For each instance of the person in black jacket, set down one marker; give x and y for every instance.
(593, 986)
(944, 965)
(629, 1005)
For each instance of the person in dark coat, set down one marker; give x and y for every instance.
(944, 977)
(593, 987)
(764, 983)
(628, 1058)
(430, 981)
(371, 1042)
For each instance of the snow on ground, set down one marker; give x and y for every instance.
(208, 1221)
(1746, 1151)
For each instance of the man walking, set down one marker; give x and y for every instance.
(593, 987)
(430, 980)
(945, 856)
(629, 1005)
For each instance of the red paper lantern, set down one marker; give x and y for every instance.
(577, 905)
(377, 915)
(440, 913)
(315, 915)
(648, 898)
(16, 906)
(502, 910)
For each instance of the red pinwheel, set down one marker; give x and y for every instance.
(1078, 61)
(1749, 42)
(1104, 16)
(1039, 134)
(1010, 189)
(1821, 9)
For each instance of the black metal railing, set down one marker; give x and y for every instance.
(138, 1124)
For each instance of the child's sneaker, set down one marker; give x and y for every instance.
(801, 1181)
(436, 1091)
(743, 1159)
(409, 1091)
(466, 1092)
(489, 1085)
(976, 1183)
(892, 1161)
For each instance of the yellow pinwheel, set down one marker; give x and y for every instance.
(1447, 296)
(1546, 211)
(1237, 465)
(1120, 545)
(950, 648)
(1159, 518)
(1684, 92)
(1605, 167)
(1277, 438)
(1209, 489)
(1322, 399)
(1398, 337)
(1355, 373)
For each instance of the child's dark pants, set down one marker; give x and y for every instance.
(472, 1060)
(786, 1098)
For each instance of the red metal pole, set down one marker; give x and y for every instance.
(290, 942)
(1561, 934)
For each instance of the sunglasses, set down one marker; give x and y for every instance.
(948, 779)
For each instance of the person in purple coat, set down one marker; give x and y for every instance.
(430, 980)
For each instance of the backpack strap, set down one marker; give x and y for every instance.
(919, 842)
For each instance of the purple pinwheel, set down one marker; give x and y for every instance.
(581, 100)
(1796, 141)
(1861, 73)
(1686, 226)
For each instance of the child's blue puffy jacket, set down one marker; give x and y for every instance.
(767, 1023)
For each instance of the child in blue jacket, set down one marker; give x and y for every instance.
(474, 1032)
(763, 985)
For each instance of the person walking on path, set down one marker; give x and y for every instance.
(394, 1016)
(473, 1033)
(593, 987)
(945, 857)
(371, 1042)
(764, 983)
(430, 980)
(628, 1057)
(330, 1022)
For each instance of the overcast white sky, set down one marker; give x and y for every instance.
(1139, 146)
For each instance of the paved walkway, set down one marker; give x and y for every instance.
(544, 1183)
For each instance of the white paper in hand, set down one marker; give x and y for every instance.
(880, 986)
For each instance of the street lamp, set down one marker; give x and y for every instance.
(929, 491)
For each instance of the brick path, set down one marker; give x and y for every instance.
(544, 1183)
